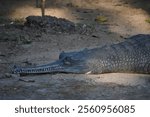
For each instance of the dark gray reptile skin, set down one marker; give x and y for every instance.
(130, 56)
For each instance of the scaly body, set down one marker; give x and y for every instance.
(132, 55)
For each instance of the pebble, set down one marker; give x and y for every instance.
(26, 80)
(9, 75)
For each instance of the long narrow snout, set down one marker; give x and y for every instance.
(48, 68)
(67, 63)
(55, 67)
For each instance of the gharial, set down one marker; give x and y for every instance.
(130, 56)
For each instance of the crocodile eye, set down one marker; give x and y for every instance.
(67, 61)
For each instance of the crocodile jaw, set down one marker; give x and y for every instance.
(55, 67)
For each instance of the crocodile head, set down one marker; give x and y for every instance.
(72, 62)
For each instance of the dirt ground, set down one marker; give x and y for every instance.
(108, 22)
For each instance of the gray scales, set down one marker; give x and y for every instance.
(130, 56)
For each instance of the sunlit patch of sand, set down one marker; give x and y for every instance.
(22, 12)
(121, 78)
(122, 19)
(61, 13)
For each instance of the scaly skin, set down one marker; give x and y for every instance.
(130, 56)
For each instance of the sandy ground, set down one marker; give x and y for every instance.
(23, 46)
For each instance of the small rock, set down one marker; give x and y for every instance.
(15, 75)
(69, 5)
(30, 80)
(15, 88)
(95, 36)
(8, 75)
(11, 23)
